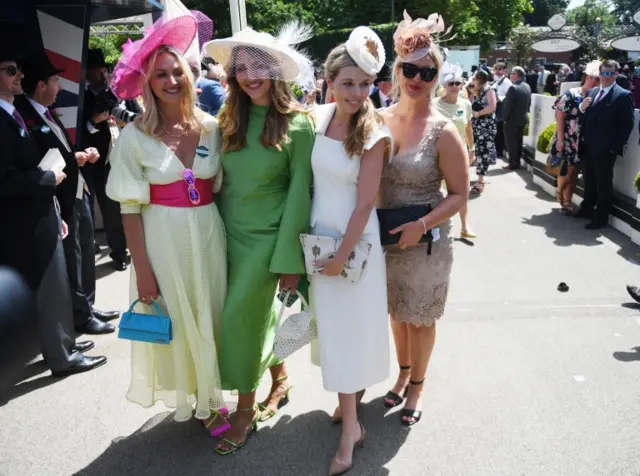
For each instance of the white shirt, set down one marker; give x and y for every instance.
(602, 96)
(383, 98)
(502, 86)
(7, 107)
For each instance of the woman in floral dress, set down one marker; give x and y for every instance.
(567, 135)
(484, 126)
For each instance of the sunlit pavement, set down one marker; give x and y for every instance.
(524, 380)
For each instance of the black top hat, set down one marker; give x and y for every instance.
(95, 59)
(7, 52)
(384, 74)
(36, 68)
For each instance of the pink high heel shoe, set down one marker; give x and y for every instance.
(218, 430)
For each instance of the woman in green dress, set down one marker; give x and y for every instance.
(267, 140)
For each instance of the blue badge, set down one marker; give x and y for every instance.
(23, 134)
(45, 129)
(459, 112)
(202, 151)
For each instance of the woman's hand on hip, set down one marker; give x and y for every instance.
(289, 282)
(147, 285)
(411, 233)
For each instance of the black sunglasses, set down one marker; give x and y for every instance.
(456, 83)
(427, 74)
(11, 70)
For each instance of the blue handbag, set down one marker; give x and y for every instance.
(154, 329)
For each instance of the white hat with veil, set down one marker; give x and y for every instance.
(265, 56)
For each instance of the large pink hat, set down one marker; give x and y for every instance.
(178, 32)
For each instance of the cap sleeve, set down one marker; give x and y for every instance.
(127, 183)
(381, 132)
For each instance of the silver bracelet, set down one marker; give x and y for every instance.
(424, 225)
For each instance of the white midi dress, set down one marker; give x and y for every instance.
(352, 318)
(187, 250)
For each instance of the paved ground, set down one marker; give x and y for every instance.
(524, 380)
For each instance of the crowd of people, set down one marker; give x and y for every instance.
(208, 174)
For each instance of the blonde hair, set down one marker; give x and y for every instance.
(151, 121)
(434, 54)
(234, 118)
(366, 118)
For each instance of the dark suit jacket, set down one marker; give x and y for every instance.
(606, 125)
(375, 98)
(66, 191)
(101, 140)
(517, 104)
(26, 204)
(623, 82)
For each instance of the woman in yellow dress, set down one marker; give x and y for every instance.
(165, 170)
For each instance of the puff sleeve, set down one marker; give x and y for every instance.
(287, 257)
(127, 183)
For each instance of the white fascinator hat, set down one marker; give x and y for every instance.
(593, 69)
(267, 56)
(366, 49)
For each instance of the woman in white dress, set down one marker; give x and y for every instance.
(351, 146)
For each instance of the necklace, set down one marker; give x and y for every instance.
(182, 134)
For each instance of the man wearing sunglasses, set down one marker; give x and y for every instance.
(32, 242)
(606, 123)
(41, 86)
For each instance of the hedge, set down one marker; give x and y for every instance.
(636, 182)
(322, 43)
(545, 138)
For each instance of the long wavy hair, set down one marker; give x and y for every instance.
(366, 118)
(234, 117)
(152, 121)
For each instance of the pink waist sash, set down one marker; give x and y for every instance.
(176, 194)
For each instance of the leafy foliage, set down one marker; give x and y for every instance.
(543, 10)
(521, 39)
(474, 21)
(545, 138)
(111, 45)
(636, 182)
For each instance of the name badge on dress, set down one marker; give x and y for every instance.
(202, 151)
(459, 112)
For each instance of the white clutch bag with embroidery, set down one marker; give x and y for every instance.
(318, 247)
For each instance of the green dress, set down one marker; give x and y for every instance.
(265, 205)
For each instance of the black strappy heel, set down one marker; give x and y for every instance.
(394, 397)
(409, 413)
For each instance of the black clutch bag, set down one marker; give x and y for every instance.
(477, 107)
(391, 218)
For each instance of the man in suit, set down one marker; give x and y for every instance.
(32, 244)
(381, 94)
(606, 122)
(515, 112)
(41, 87)
(501, 85)
(99, 102)
(541, 81)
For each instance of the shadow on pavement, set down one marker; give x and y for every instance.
(628, 356)
(303, 445)
(564, 230)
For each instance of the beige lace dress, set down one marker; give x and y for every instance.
(417, 283)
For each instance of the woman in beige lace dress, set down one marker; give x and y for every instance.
(428, 150)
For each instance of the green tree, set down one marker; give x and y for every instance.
(111, 45)
(543, 10)
(521, 39)
(625, 9)
(585, 15)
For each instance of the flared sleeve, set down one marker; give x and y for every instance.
(288, 257)
(127, 183)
